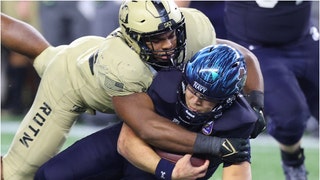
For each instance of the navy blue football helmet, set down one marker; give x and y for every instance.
(218, 73)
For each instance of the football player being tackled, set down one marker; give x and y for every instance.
(205, 98)
(109, 75)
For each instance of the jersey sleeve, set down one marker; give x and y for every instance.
(41, 62)
(120, 71)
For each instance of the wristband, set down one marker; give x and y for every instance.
(164, 169)
(256, 99)
(207, 144)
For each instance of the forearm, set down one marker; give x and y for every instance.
(254, 75)
(133, 148)
(137, 112)
(21, 37)
(241, 171)
(166, 135)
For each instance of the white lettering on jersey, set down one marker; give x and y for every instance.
(267, 3)
(314, 33)
(271, 3)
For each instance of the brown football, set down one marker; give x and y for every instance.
(172, 157)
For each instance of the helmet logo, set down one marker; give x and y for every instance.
(199, 87)
(124, 15)
(167, 24)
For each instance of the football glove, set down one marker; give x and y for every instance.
(235, 150)
(231, 150)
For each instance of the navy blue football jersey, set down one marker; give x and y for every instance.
(248, 21)
(237, 121)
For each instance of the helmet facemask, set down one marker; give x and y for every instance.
(174, 57)
(141, 21)
(191, 118)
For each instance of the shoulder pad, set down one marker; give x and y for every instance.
(200, 32)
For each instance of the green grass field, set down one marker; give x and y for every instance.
(265, 156)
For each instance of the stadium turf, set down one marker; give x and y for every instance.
(265, 152)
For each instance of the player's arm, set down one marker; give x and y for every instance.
(21, 37)
(185, 3)
(127, 143)
(133, 149)
(138, 113)
(240, 171)
(254, 87)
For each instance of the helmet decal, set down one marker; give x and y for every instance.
(124, 15)
(163, 14)
(199, 87)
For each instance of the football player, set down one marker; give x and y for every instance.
(208, 100)
(107, 74)
(286, 41)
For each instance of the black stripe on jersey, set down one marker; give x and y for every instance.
(161, 10)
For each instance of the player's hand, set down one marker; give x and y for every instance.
(185, 171)
(261, 123)
(235, 150)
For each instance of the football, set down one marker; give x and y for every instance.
(172, 157)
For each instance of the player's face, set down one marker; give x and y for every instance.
(163, 45)
(197, 102)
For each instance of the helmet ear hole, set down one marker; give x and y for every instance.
(235, 64)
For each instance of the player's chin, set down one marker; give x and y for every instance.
(173, 157)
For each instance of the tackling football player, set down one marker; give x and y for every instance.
(107, 74)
